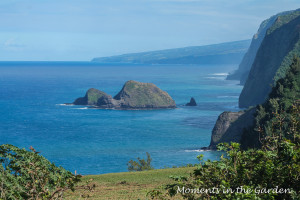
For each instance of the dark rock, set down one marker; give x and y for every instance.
(192, 102)
(205, 148)
(230, 125)
(108, 102)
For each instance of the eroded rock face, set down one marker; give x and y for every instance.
(230, 125)
(134, 95)
(192, 102)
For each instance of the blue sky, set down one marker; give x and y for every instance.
(83, 29)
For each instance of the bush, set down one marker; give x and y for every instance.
(141, 165)
(28, 175)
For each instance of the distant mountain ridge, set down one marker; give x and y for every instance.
(223, 53)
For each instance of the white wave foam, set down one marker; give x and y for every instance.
(228, 97)
(213, 77)
(196, 150)
(63, 104)
(84, 108)
(219, 74)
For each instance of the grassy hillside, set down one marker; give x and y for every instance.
(129, 185)
(224, 53)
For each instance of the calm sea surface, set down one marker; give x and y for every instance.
(95, 141)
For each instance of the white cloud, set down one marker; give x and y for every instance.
(11, 44)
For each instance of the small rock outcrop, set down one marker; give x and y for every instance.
(192, 102)
(91, 97)
(134, 95)
(230, 125)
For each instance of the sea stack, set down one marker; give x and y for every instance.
(133, 96)
(192, 102)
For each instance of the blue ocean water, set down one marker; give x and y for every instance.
(94, 141)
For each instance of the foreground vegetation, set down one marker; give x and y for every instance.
(28, 175)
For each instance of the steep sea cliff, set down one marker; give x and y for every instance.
(280, 43)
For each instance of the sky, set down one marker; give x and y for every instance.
(79, 30)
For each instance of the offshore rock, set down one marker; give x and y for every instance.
(134, 95)
(192, 102)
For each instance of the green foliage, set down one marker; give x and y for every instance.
(282, 20)
(271, 172)
(28, 175)
(278, 114)
(241, 171)
(287, 61)
(141, 164)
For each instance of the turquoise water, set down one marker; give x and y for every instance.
(94, 141)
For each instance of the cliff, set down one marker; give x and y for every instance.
(242, 72)
(272, 59)
(134, 95)
(229, 127)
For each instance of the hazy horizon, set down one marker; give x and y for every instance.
(53, 30)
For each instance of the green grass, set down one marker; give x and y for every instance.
(129, 185)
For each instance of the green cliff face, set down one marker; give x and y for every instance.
(242, 72)
(275, 54)
(91, 97)
(143, 96)
(134, 95)
(276, 114)
(273, 61)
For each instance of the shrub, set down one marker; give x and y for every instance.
(141, 164)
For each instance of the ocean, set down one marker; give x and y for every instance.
(94, 141)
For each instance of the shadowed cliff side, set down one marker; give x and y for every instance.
(281, 39)
(244, 67)
(230, 126)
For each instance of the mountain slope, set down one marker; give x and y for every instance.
(244, 68)
(224, 53)
(275, 54)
